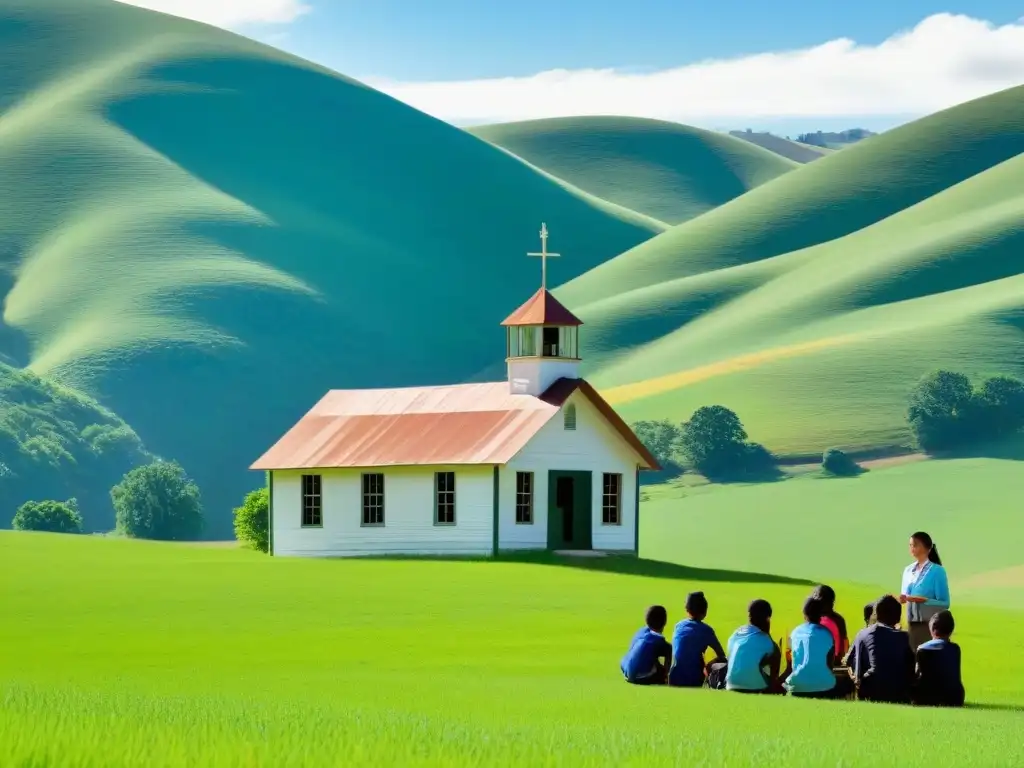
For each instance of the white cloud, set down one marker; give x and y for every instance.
(228, 13)
(943, 61)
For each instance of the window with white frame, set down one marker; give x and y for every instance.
(611, 499)
(524, 498)
(312, 502)
(373, 498)
(444, 498)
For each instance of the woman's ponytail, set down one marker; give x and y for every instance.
(925, 541)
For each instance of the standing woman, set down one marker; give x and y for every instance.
(925, 588)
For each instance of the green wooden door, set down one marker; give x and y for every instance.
(569, 510)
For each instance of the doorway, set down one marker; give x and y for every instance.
(569, 510)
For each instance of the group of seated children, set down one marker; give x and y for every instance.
(880, 665)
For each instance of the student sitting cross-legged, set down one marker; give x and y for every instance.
(691, 639)
(813, 653)
(938, 666)
(641, 665)
(754, 658)
(880, 660)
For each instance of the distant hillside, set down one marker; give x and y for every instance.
(835, 140)
(56, 444)
(206, 234)
(669, 171)
(800, 153)
(811, 304)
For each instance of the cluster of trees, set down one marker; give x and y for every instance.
(713, 441)
(154, 501)
(946, 411)
(820, 139)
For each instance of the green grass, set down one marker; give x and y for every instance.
(171, 192)
(855, 529)
(669, 171)
(136, 652)
(813, 303)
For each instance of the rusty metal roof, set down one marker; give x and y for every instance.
(458, 424)
(542, 309)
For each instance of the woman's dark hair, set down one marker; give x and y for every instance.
(925, 541)
(813, 610)
(825, 595)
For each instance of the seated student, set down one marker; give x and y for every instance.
(754, 658)
(881, 662)
(869, 613)
(831, 620)
(938, 666)
(640, 665)
(690, 640)
(813, 655)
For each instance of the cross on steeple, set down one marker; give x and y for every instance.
(544, 254)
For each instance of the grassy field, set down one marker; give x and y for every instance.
(134, 653)
(794, 150)
(669, 171)
(170, 191)
(811, 304)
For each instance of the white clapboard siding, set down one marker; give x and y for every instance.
(593, 446)
(409, 527)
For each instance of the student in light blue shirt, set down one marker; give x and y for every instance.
(925, 588)
(754, 658)
(813, 655)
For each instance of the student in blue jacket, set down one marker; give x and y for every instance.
(925, 588)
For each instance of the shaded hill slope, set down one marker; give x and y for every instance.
(206, 233)
(819, 347)
(669, 171)
(792, 150)
(824, 200)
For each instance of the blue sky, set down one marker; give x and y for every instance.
(785, 66)
(468, 39)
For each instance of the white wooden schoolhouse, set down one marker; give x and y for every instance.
(539, 461)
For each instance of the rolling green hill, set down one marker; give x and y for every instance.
(669, 171)
(793, 150)
(206, 234)
(811, 304)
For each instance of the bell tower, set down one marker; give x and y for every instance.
(542, 337)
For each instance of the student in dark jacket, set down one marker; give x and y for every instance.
(938, 666)
(649, 655)
(880, 660)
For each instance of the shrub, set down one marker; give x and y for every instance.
(158, 501)
(940, 410)
(48, 516)
(836, 462)
(999, 407)
(252, 520)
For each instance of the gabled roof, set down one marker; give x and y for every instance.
(542, 309)
(415, 426)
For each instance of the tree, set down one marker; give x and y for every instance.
(48, 516)
(158, 501)
(252, 520)
(661, 438)
(940, 410)
(714, 440)
(999, 407)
